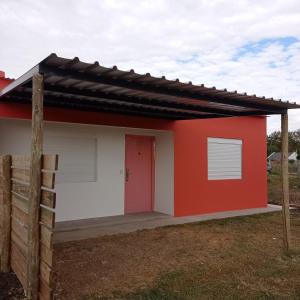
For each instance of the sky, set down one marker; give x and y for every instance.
(248, 46)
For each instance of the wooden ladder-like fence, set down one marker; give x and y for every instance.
(15, 217)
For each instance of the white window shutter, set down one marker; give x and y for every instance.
(77, 158)
(224, 158)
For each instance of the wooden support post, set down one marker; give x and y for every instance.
(6, 214)
(35, 186)
(285, 182)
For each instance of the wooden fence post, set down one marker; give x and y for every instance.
(6, 214)
(285, 182)
(35, 186)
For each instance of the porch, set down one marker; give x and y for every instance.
(95, 227)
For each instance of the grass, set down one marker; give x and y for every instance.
(249, 277)
(274, 181)
(254, 278)
(236, 258)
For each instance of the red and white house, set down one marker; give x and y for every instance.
(132, 143)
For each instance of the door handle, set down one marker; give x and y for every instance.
(127, 174)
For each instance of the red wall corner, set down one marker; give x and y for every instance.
(4, 81)
(194, 193)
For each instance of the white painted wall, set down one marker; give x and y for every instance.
(164, 173)
(105, 197)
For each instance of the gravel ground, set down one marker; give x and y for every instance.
(10, 287)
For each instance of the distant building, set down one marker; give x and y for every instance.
(276, 156)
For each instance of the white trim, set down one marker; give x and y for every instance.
(20, 81)
(225, 141)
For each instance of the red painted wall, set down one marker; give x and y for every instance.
(194, 193)
(23, 111)
(4, 81)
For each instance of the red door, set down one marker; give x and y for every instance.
(138, 173)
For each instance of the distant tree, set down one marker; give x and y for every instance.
(274, 141)
(294, 140)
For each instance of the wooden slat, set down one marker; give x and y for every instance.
(18, 237)
(35, 184)
(20, 203)
(19, 215)
(23, 245)
(21, 194)
(21, 174)
(48, 198)
(50, 162)
(19, 229)
(22, 177)
(47, 217)
(46, 236)
(21, 254)
(5, 214)
(46, 255)
(45, 273)
(19, 264)
(48, 180)
(19, 272)
(285, 182)
(20, 188)
(46, 292)
(20, 207)
(21, 161)
(1, 167)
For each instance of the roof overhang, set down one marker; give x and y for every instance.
(71, 83)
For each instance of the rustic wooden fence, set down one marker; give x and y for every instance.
(15, 200)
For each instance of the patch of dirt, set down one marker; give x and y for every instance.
(10, 287)
(128, 261)
(239, 251)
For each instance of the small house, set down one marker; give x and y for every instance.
(276, 156)
(131, 143)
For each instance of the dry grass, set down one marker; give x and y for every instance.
(275, 190)
(238, 258)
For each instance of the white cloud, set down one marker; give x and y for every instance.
(192, 40)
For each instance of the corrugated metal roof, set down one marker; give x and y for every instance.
(76, 84)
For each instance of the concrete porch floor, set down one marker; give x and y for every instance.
(91, 228)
